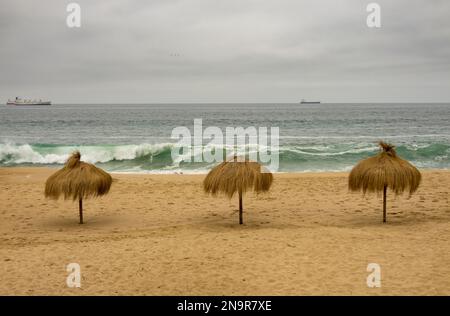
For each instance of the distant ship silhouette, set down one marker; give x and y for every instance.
(303, 101)
(19, 101)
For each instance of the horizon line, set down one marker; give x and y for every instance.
(253, 102)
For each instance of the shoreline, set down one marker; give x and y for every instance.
(202, 173)
(161, 235)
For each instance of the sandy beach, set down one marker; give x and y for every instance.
(161, 235)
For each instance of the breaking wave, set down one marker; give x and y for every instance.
(157, 158)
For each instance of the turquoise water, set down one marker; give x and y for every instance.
(137, 138)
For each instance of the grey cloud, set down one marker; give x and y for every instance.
(225, 51)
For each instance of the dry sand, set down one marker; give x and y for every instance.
(161, 235)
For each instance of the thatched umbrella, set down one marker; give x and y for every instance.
(237, 176)
(78, 180)
(383, 171)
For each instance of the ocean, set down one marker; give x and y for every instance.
(136, 138)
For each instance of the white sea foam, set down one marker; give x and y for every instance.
(20, 154)
(156, 158)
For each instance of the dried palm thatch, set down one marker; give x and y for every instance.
(383, 171)
(237, 176)
(78, 180)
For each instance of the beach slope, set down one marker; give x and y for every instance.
(161, 235)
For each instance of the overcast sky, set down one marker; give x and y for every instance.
(225, 51)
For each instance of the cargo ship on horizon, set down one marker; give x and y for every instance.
(303, 101)
(18, 102)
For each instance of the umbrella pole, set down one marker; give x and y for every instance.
(80, 205)
(240, 209)
(384, 203)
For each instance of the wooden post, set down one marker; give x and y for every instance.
(80, 205)
(384, 203)
(240, 209)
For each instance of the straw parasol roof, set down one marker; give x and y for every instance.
(384, 171)
(237, 176)
(78, 180)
